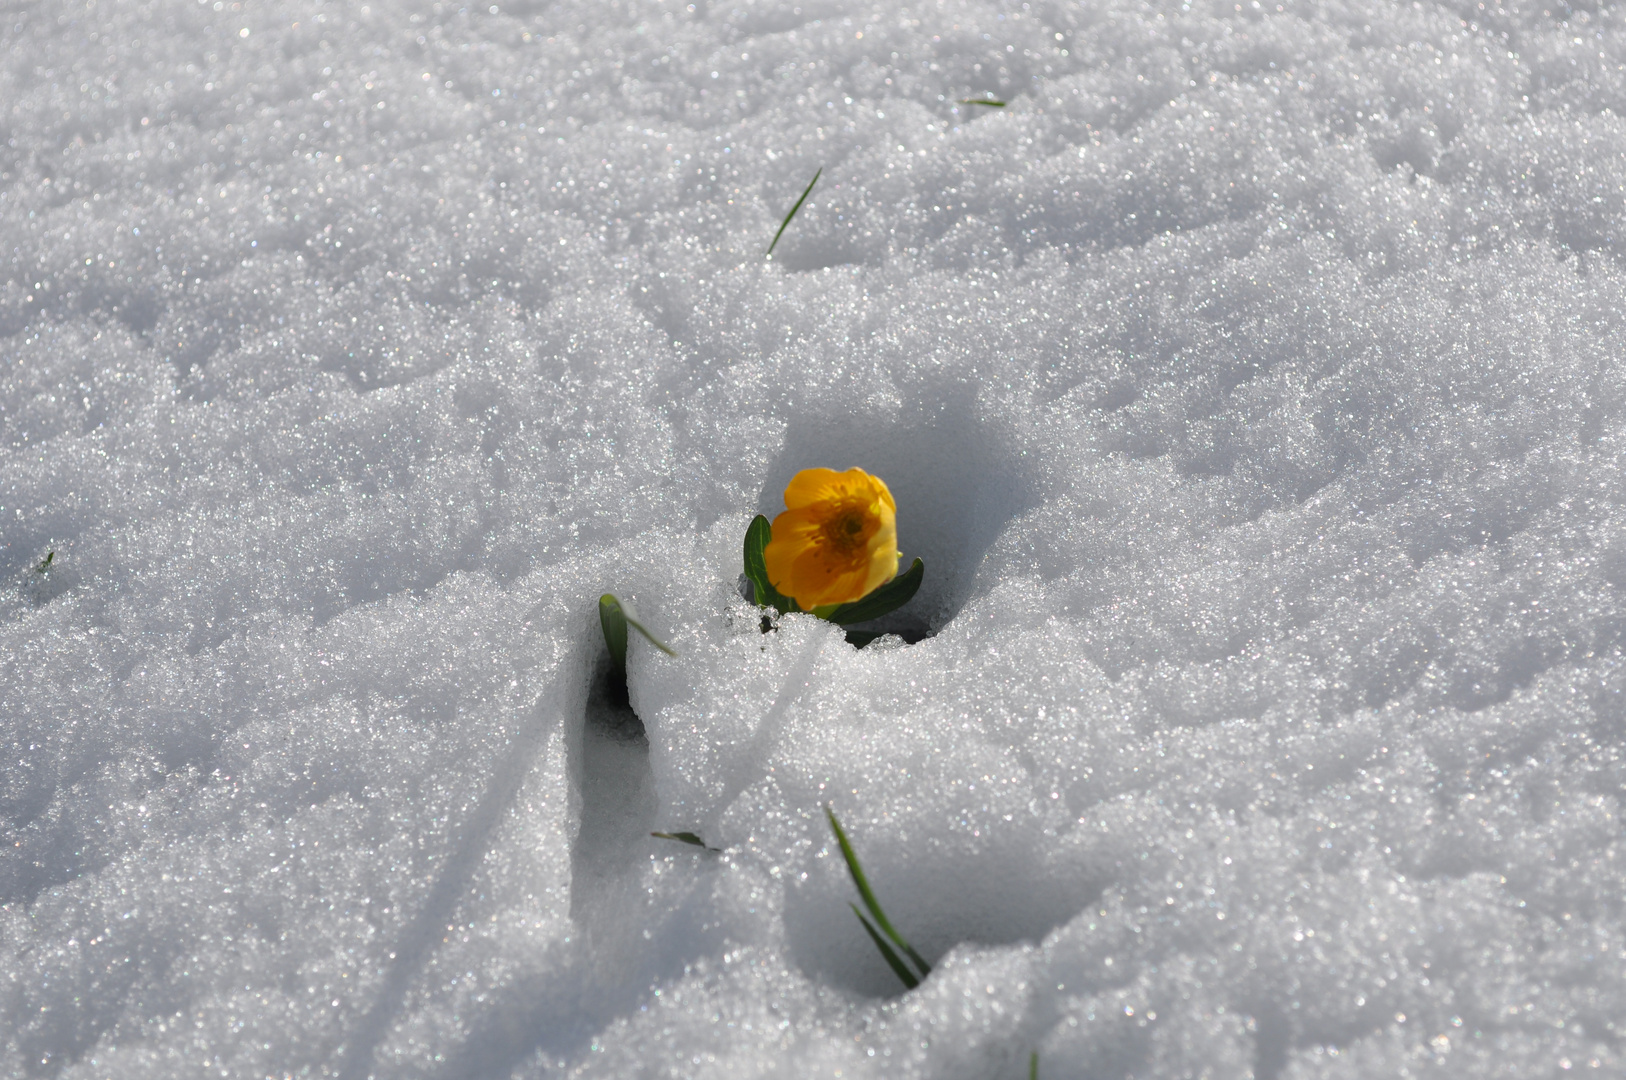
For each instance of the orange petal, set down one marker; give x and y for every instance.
(792, 533)
(883, 560)
(885, 493)
(810, 486)
(818, 581)
(799, 558)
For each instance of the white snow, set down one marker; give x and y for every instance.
(1252, 386)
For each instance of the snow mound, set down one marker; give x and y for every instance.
(1250, 382)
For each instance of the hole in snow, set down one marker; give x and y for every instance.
(936, 899)
(955, 482)
(618, 802)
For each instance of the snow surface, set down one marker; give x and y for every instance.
(1252, 385)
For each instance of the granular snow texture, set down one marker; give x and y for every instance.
(1251, 383)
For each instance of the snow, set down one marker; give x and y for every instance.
(1251, 385)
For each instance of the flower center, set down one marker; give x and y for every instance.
(845, 530)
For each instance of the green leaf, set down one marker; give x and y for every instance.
(614, 622)
(1033, 1065)
(990, 102)
(805, 192)
(868, 896)
(898, 967)
(632, 621)
(757, 536)
(684, 838)
(756, 567)
(615, 617)
(889, 597)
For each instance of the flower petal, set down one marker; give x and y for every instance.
(885, 494)
(836, 541)
(883, 560)
(812, 485)
(793, 532)
(818, 582)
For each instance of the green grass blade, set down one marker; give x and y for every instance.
(615, 616)
(684, 838)
(805, 193)
(632, 621)
(756, 564)
(920, 961)
(756, 568)
(613, 620)
(889, 597)
(891, 958)
(990, 102)
(1033, 1065)
(651, 638)
(868, 896)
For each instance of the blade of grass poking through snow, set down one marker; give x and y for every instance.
(684, 838)
(614, 623)
(873, 905)
(615, 616)
(889, 597)
(990, 102)
(898, 967)
(632, 620)
(805, 193)
(756, 567)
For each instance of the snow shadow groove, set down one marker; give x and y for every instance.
(956, 481)
(618, 803)
(609, 768)
(423, 932)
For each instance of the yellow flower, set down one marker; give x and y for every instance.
(837, 540)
